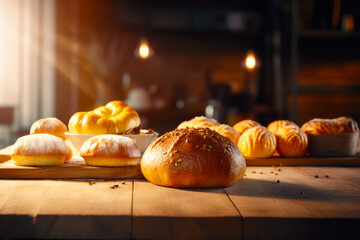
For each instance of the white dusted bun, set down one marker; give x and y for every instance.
(110, 150)
(40, 150)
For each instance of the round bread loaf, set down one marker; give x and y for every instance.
(40, 150)
(110, 151)
(116, 117)
(257, 142)
(277, 125)
(292, 141)
(244, 125)
(51, 126)
(193, 157)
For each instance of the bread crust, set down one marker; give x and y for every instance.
(292, 141)
(193, 157)
(277, 125)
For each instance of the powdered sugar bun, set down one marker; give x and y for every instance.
(110, 150)
(41, 150)
(51, 126)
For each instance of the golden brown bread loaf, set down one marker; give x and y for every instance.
(341, 125)
(203, 122)
(110, 150)
(244, 125)
(116, 117)
(257, 142)
(193, 157)
(51, 126)
(277, 125)
(292, 141)
(40, 150)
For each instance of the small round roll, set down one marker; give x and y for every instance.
(277, 125)
(40, 150)
(110, 151)
(228, 132)
(292, 141)
(257, 142)
(193, 157)
(244, 125)
(51, 126)
(199, 122)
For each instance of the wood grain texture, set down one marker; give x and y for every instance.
(19, 204)
(163, 213)
(304, 161)
(77, 209)
(300, 205)
(76, 168)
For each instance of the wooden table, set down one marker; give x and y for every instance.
(270, 202)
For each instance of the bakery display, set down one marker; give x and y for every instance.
(116, 117)
(204, 122)
(244, 125)
(51, 126)
(292, 141)
(40, 150)
(193, 157)
(257, 142)
(341, 125)
(110, 151)
(277, 125)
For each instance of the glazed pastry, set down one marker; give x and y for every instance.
(244, 125)
(257, 142)
(277, 125)
(114, 118)
(193, 157)
(110, 151)
(341, 125)
(292, 141)
(51, 126)
(40, 150)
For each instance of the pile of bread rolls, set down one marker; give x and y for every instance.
(46, 146)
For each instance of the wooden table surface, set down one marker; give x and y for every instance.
(269, 203)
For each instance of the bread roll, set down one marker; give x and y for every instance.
(244, 125)
(116, 117)
(277, 125)
(257, 142)
(40, 150)
(292, 141)
(51, 126)
(228, 132)
(199, 122)
(341, 125)
(110, 151)
(203, 122)
(193, 157)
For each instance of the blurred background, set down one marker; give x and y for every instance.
(173, 60)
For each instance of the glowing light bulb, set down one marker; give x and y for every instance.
(250, 61)
(144, 51)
